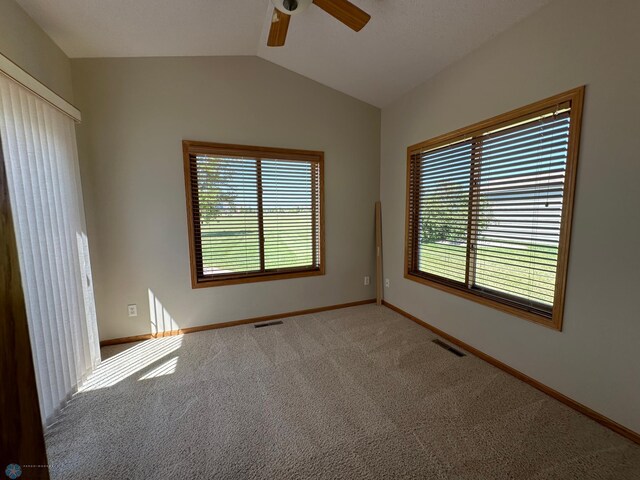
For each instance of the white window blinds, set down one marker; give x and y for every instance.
(489, 208)
(39, 151)
(253, 215)
(490, 211)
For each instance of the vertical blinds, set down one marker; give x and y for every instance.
(254, 216)
(39, 149)
(485, 212)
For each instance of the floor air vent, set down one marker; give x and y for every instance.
(440, 343)
(268, 324)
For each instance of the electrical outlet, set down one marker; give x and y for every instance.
(132, 310)
(387, 282)
(367, 280)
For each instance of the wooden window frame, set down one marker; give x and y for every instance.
(191, 147)
(576, 99)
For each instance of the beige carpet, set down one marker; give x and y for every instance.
(358, 393)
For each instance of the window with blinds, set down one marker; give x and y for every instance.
(254, 213)
(489, 208)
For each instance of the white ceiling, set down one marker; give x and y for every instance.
(405, 43)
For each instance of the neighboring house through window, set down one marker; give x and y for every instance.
(489, 208)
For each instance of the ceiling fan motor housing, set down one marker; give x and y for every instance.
(291, 7)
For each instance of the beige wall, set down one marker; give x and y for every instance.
(24, 42)
(566, 44)
(136, 113)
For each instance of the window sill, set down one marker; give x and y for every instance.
(258, 277)
(554, 323)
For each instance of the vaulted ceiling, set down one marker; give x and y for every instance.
(405, 43)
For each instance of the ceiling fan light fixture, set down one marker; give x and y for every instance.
(342, 10)
(291, 7)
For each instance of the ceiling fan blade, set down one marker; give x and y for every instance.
(346, 12)
(278, 30)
